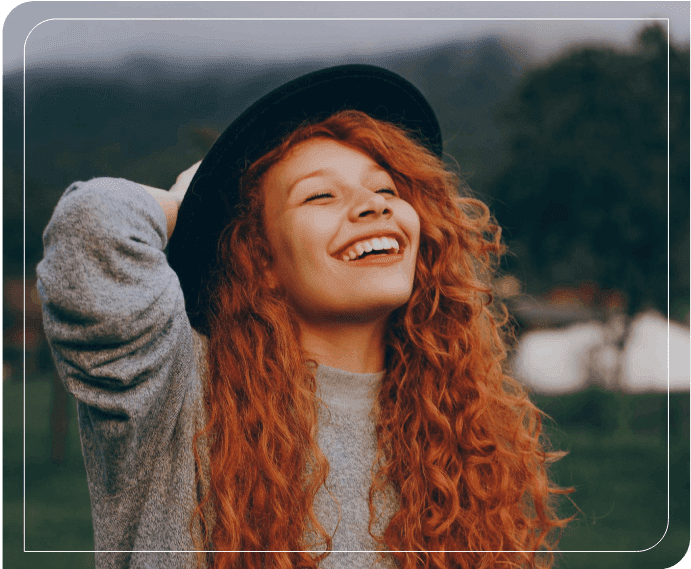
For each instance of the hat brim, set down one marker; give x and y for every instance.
(212, 198)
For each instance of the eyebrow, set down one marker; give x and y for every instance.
(321, 172)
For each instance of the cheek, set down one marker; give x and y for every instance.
(410, 222)
(301, 244)
(281, 250)
(316, 223)
(310, 233)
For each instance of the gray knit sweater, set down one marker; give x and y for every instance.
(114, 315)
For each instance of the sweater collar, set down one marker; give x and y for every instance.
(347, 391)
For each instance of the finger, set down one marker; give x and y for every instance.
(190, 172)
(184, 178)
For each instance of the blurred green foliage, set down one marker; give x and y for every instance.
(582, 192)
(620, 454)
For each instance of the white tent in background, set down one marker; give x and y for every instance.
(554, 361)
(564, 360)
(645, 355)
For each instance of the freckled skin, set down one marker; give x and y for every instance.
(317, 200)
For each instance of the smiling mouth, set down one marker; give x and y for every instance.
(371, 248)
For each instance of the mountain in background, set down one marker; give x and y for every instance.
(570, 155)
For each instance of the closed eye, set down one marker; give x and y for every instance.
(320, 195)
(330, 195)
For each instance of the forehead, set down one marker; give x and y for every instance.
(317, 157)
(321, 153)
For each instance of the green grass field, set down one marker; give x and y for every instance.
(617, 463)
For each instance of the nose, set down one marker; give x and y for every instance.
(367, 203)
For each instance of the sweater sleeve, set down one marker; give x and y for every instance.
(115, 318)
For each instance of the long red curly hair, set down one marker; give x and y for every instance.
(458, 439)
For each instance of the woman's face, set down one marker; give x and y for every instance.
(324, 203)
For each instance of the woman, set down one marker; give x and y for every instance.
(321, 371)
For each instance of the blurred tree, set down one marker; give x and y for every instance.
(583, 191)
(465, 82)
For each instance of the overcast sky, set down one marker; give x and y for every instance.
(53, 35)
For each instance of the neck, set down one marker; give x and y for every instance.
(357, 347)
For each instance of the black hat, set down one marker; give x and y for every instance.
(212, 198)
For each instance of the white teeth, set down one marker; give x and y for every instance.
(372, 244)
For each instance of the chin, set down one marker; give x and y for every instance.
(374, 308)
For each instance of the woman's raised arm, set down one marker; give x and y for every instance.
(114, 315)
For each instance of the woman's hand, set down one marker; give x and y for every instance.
(170, 200)
(179, 188)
